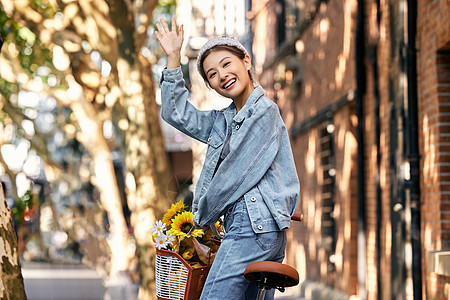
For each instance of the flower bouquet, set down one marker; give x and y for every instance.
(184, 254)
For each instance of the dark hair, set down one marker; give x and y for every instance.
(239, 53)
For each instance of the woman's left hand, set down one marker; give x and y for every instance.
(170, 40)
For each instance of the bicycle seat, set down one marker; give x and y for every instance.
(271, 274)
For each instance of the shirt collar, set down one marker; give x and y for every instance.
(252, 99)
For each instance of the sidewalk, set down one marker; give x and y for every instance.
(289, 294)
(44, 281)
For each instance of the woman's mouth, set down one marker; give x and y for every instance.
(229, 84)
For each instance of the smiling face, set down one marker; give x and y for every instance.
(228, 75)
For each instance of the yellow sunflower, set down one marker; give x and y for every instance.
(175, 245)
(219, 227)
(182, 224)
(172, 211)
(187, 255)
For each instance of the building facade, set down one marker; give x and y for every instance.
(364, 88)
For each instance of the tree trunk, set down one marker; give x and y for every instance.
(11, 285)
(91, 137)
(146, 197)
(148, 176)
(162, 168)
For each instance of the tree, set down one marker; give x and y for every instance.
(93, 49)
(11, 285)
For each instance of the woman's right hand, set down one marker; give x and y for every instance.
(170, 41)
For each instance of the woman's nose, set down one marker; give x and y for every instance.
(222, 75)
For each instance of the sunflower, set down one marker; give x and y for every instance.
(219, 227)
(175, 244)
(187, 255)
(172, 211)
(182, 224)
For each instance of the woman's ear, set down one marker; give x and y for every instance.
(248, 62)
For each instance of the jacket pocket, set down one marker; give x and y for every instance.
(258, 212)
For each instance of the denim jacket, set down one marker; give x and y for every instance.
(259, 167)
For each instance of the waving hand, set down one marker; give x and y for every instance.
(170, 41)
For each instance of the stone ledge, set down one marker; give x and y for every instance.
(439, 262)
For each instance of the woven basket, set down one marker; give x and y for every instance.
(176, 279)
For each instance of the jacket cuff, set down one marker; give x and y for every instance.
(195, 219)
(171, 75)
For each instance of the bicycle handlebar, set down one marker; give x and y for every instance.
(297, 217)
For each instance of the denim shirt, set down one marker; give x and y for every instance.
(259, 167)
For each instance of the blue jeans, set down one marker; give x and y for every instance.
(241, 246)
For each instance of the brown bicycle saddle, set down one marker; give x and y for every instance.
(272, 274)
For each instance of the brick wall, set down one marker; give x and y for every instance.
(433, 66)
(325, 57)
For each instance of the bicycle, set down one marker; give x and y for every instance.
(266, 274)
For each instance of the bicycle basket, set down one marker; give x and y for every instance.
(176, 279)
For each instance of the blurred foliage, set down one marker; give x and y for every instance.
(32, 54)
(71, 191)
(44, 8)
(23, 208)
(167, 5)
(164, 9)
(35, 59)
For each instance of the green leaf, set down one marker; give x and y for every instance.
(27, 35)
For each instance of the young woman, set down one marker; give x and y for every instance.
(248, 176)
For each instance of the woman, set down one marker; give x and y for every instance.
(249, 175)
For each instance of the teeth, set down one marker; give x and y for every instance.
(229, 83)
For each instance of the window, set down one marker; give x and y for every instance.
(327, 160)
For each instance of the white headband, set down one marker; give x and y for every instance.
(219, 42)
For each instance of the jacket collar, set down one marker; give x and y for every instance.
(248, 106)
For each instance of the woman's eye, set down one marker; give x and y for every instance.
(211, 75)
(226, 64)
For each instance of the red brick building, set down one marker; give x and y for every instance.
(364, 87)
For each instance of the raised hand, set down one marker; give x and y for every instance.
(170, 41)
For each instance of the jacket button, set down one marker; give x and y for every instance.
(209, 139)
(237, 127)
(259, 227)
(253, 199)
